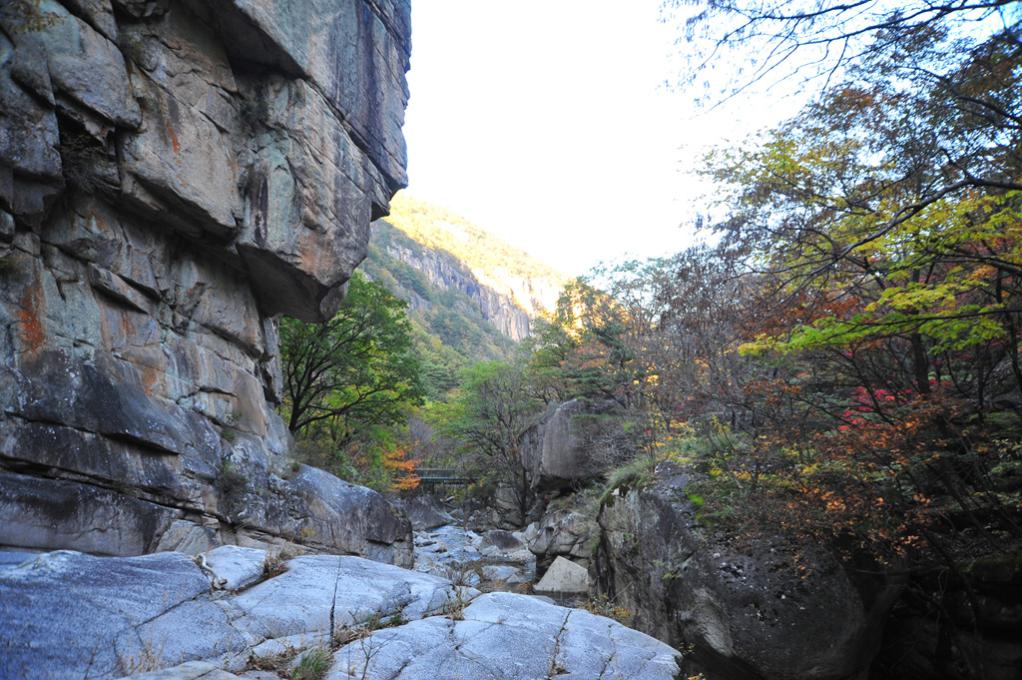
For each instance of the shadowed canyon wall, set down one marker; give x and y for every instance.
(174, 174)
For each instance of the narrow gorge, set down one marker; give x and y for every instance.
(263, 417)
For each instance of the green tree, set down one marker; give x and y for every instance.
(491, 416)
(356, 372)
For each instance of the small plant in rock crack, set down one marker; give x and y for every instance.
(461, 575)
(229, 432)
(275, 663)
(313, 664)
(27, 16)
(394, 620)
(8, 264)
(274, 563)
(149, 658)
(230, 480)
(454, 607)
(601, 606)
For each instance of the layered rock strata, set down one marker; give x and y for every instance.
(172, 176)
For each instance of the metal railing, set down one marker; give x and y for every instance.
(442, 476)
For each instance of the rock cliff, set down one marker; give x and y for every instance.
(433, 258)
(742, 609)
(444, 272)
(172, 176)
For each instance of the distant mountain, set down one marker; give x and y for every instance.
(471, 295)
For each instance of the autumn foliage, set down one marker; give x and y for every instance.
(402, 469)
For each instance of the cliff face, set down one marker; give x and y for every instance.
(744, 608)
(463, 285)
(173, 175)
(445, 272)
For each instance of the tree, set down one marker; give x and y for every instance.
(883, 229)
(492, 416)
(353, 373)
(815, 41)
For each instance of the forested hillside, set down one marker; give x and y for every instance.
(470, 296)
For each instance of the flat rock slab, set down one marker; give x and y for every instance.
(84, 611)
(503, 636)
(300, 601)
(70, 615)
(119, 615)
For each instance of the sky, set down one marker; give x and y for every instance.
(558, 125)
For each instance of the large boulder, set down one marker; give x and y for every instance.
(575, 442)
(748, 610)
(173, 175)
(70, 615)
(568, 527)
(564, 577)
(424, 512)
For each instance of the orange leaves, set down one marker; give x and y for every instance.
(403, 469)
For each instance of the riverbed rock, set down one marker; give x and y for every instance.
(68, 615)
(564, 577)
(508, 637)
(231, 567)
(424, 512)
(749, 610)
(173, 176)
(464, 556)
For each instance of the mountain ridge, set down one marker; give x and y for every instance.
(471, 291)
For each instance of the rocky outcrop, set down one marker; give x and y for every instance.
(69, 615)
(959, 624)
(444, 272)
(509, 637)
(747, 610)
(575, 442)
(172, 176)
(567, 528)
(494, 560)
(116, 616)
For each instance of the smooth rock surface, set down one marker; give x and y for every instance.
(508, 637)
(564, 576)
(157, 617)
(232, 567)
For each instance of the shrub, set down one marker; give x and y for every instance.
(636, 474)
(313, 664)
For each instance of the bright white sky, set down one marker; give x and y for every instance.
(550, 124)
